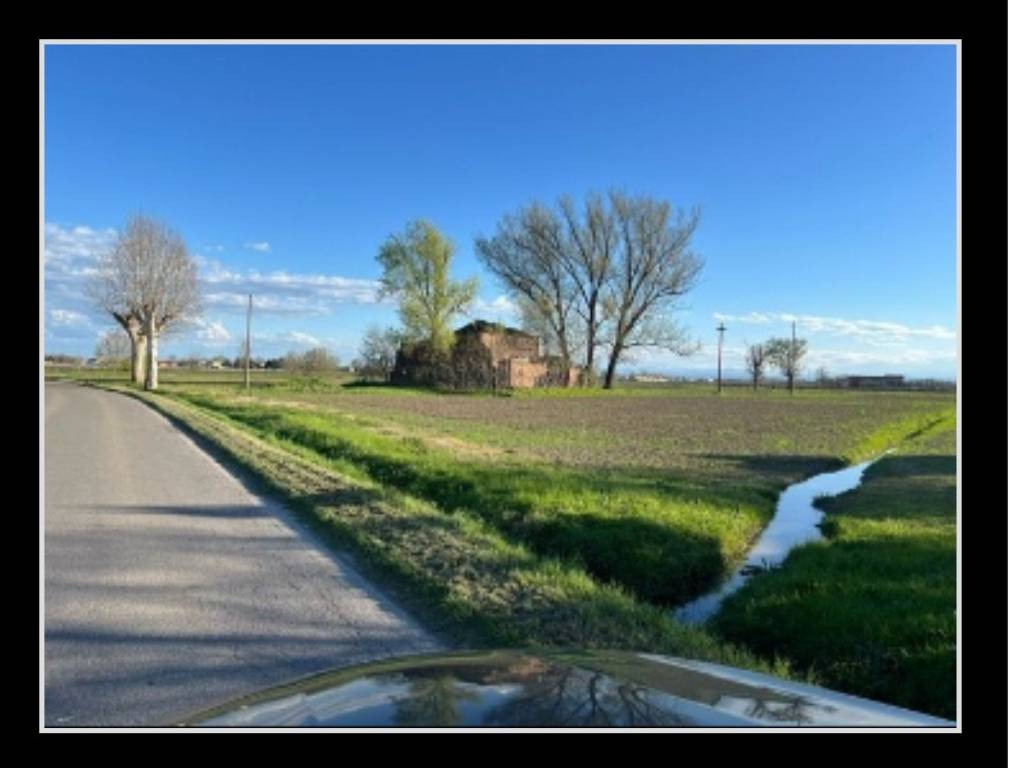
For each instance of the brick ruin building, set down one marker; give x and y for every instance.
(515, 356)
(486, 355)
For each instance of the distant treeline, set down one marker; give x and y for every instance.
(918, 385)
(313, 360)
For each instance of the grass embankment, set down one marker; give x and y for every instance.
(871, 609)
(664, 535)
(455, 572)
(649, 533)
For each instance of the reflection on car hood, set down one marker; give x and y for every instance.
(559, 689)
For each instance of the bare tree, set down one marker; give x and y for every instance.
(532, 320)
(652, 268)
(378, 351)
(787, 356)
(315, 360)
(114, 348)
(606, 276)
(319, 359)
(588, 261)
(113, 290)
(149, 283)
(528, 256)
(755, 363)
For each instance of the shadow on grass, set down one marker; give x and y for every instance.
(371, 385)
(914, 466)
(661, 564)
(788, 468)
(384, 386)
(659, 533)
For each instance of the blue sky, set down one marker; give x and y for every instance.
(825, 176)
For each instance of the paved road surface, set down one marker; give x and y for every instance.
(169, 587)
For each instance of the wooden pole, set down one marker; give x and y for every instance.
(721, 336)
(248, 324)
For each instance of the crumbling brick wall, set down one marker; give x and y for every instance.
(510, 345)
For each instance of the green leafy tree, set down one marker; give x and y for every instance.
(417, 268)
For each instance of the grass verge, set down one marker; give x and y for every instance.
(665, 536)
(872, 608)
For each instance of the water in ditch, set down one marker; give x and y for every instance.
(795, 522)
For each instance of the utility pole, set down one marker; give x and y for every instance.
(721, 336)
(248, 324)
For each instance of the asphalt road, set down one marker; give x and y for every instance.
(169, 587)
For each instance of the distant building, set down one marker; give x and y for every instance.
(515, 356)
(487, 354)
(888, 381)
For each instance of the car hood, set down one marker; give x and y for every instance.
(558, 689)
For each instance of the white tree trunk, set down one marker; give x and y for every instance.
(139, 357)
(134, 340)
(151, 357)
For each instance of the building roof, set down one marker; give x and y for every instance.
(483, 326)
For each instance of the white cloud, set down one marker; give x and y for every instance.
(753, 318)
(501, 309)
(66, 317)
(266, 304)
(71, 255)
(282, 292)
(301, 338)
(908, 361)
(262, 247)
(849, 359)
(62, 242)
(213, 332)
(868, 331)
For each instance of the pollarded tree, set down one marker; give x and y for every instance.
(755, 363)
(149, 283)
(113, 289)
(417, 268)
(787, 356)
(168, 289)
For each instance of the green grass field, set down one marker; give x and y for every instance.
(872, 608)
(552, 517)
(660, 494)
